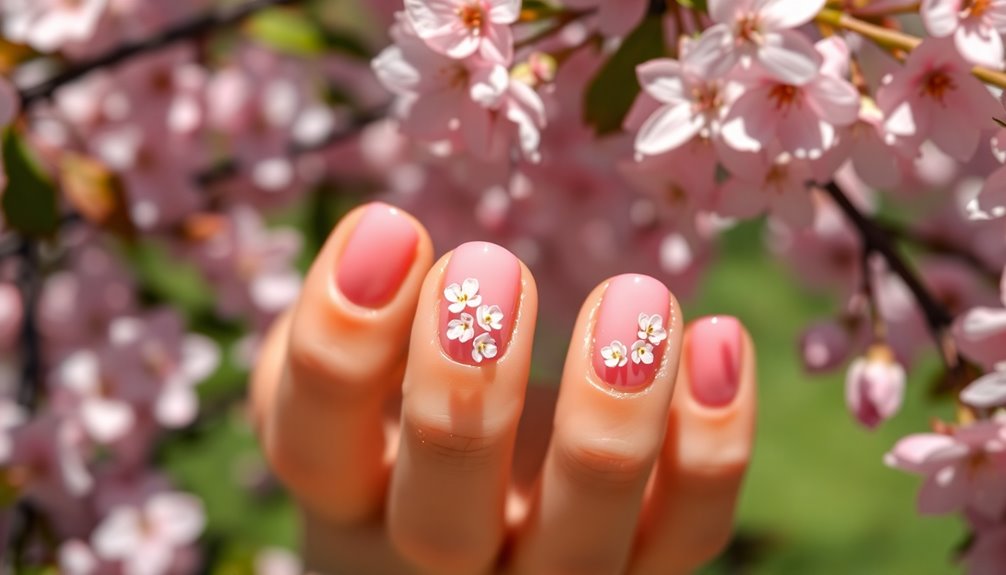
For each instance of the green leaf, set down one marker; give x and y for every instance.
(29, 203)
(699, 5)
(612, 92)
(288, 31)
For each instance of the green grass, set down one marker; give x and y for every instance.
(817, 498)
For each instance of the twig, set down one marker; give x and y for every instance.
(938, 246)
(876, 240)
(893, 40)
(184, 31)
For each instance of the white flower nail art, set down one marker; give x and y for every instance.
(483, 348)
(464, 295)
(461, 329)
(615, 355)
(642, 352)
(651, 328)
(490, 317)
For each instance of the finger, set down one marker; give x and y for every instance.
(460, 406)
(688, 517)
(609, 424)
(345, 356)
(268, 372)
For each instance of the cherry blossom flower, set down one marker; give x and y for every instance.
(459, 28)
(986, 392)
(963, 469)
(489, 317)
(976, 26)
(875, 386)
(981, 332)
(761, 31)
(615, 354)
(144, 538)
(464, 295)
(484, 347)
(651, 328)
(462, 329)
(48, 25)
(935, 96)
(614, 17)
(642, 352)
(104, 413)
(779, 186)
(802, 118)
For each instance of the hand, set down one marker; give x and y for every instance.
(395, 406)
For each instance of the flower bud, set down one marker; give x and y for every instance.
(875, 386)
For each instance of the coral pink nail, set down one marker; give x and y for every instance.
(714, 360)
(631, 331)
(480, 294)
(377, 257)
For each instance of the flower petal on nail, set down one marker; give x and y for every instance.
(484, 347)
(615, 355)
(642, 352)
(490, 317)
(461, 329)
(651, 328)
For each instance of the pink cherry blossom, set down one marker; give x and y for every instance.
(801, 118)
(875, 387)
(981, 332)
(144, 538)
(987, 553)
(975, 25)
(761, 31)
(48, 25)
(460, 28)
(934, 96)
(778, 186)
(991, 202)
(961, 469)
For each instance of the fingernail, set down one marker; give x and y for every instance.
(481, 289)
(631, 331)
(714, 358)
(377, 256)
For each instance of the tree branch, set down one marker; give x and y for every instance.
(875, 239)
(186, 30)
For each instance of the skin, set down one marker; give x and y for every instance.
(404, 461)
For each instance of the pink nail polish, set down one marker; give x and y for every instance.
(631, 331)
(377, 257)
(714, 358)
(480, 293)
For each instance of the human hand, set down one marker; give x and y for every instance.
(409, 454)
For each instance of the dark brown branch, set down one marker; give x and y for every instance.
(936, 245)
(185, 31)
(876, 239)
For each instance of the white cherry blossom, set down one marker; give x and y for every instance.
(484, 348)
(461, 329)
(490, 317)
(615, 355)
(651, 328)
(642, 352)
(464, 295)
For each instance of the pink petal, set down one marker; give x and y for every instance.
(105, 420)
(954, 133)
(789, 56)
(741, 199)
(992, 199)
(874, 161)
(986, 392)
(431, 17)
(980, 45)
(793, 204)
(497, 46)
(488, 84)
(119, 534)
(663, 79)
(619, 17)
(983, 322)
(944, 492)
(178, 517)
(778, 14)
(833, 100)
(668, 128)
(940, 16)
(504, 11)
(752, 121)
(713, 55)
(918, 453)
(176, 406)
(725, 11)
(456, 41)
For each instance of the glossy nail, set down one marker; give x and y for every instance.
(714, 358)
(377, 257)
(631, 330)
(480, 296)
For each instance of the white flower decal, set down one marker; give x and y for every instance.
(651, 328)
(615, 355)
(464, 295)
(642, 352)
(461, 329)
(490, 317)
(484, 347)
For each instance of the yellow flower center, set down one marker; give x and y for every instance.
(471, 16)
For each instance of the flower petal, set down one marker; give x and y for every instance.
(789, 56)
(663, 79)
(779, 14)
(668, 128)
(940, 16)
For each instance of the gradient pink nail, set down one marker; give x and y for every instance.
(377, 257)
(618, 326)
(714, 360)
(496, 274)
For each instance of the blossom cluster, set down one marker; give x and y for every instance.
(489, 318)
(651, 332)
